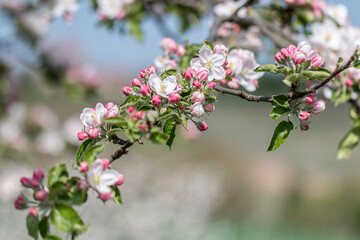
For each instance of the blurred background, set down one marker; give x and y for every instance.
(221, 184)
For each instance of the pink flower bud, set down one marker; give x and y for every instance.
(198, 96)
(82, 135)
(348, 82)
(197, 84)
(33, 212)
(223, 82)
(197, 110)
(298, 58)
(105, 163)
(84, 166)
(102, 17)
(145, 90)
(309, 100)
(151, 69)
(41, 195)
(228, 71)
(169, 45)
(127, 90)
(139, 115)
(109, 105)
(142, 127)
(142, 74)
(120, 181)
(211, 84)
(304, 127)
(303, 115)
(93, 133)
(209, 107)
(156, 100)
(203, 126)
(25, 181)
(34, 182)
(189, 73)
(292, 49)
(234, 84)
(279, 57)
(181, 50)
(202, 73)
(136, 82)
(38, 174)
(105, 196)
(318, 106)
(220, 48)
(130, 110)
(20, 202)
(285, 52)
(174, 98)
(82, 185)
(318, 61)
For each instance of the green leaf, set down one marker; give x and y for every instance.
(44, 227)
(315, 75)
(292, 78)
(350, 140)
(209, 44)
(278, 112)
(341, 96)
(91, 154)
(272, 68)
(57, 174)
(280, 135)
(113, 131)
(169, 129)
(117, 198)
(32, 224)
(281, 100)
(115, 120)
(159, 137)
(65, 218)
(53, 237)
(181, 119)
(82, 149)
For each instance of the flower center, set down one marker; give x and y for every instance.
(209, 65)
(328, 36)
(245, 71)
(163, 87)
(95, 117)
(96, 180)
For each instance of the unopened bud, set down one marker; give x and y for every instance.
(156, 100)
(41, 195)
(318, 106)
(25, 181)
(105, 163)
(120, 181)
(84, 166)
(174, 98)
(136, 82)
(189, 73)
(209, 107)
(151, 69)
(127, 90)
(145, 90)
(303, 115)
(82, 135)
(202, 73)
(105, 196)
(82, 185)
(197, 84)
(318, 61)
(38, 174)
(93, 133)
(33, 212)
(203, 126)
(211, 84)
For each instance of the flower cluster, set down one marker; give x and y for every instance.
(309, 105)
(300, 58)
(112, 9)
(172, 51)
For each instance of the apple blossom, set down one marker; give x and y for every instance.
(169, 45)
(112, 9)
(197, 110)
(338, 12)
(234, 84)
(318, 61)
(120, 180)
(209, 107)
(279, 57)
(93, 133)
(142, 73)
(203, 126)
(101, 179)
(348, 82)
(211, 84)
(189, 73)
(64, 7)
(202, 73)
(165, 63)
(92, 117)
(130, 110)
(112, 110)
(197, 84)
(298, 58)
(142, 127)
(105, 196)
(309, 100)
(136, 82)
(181, 50)
(38, 174)
(139, 115)
(105, 163)
(307, 50)
(303, 115)
(229, 8)
(82, 185)
(25, 181)
(163, 87)
(212, 61)
(34, 182)
(151, 69)
(20, 202)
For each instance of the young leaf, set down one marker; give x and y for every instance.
(280, 135)
(350, 140)
(57, 174)
(117, 198)
(159, 137)
(315, 75)
(169, 129)
(82, 149)
(32, 224)
(210, 45)
(65, 218)
(279, 112)
(115, 120)
(91, 154)
(44, 227)
(281, 100)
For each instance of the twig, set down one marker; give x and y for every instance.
(124, 146)
(244, 95)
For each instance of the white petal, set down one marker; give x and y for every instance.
(218, 59)
(100, 110)
(103, 189)
(109, 177)
(97, 166)
(218, 72)
(155, 83)
(205, 53)
(195, 63)
(211, 76)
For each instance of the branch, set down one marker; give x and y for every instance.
(123, 149)
(243, 95)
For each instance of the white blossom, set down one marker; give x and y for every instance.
(63, 7)
(91, 117)
(101, 179)
(164, 87)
